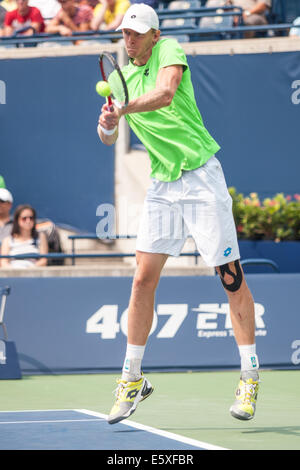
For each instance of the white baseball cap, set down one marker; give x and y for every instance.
(5, 195)
(141, 18)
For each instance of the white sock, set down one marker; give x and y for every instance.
(249, 359)
(131, 371)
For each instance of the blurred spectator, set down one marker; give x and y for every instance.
(9, 5)
(254, 11)
(71, 17)
(22, 17)
(48, 8)
(24, 239)
(295, 32)
(108, 14)
(91, 3)
(6, 202)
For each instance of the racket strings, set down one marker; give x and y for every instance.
(111, 75)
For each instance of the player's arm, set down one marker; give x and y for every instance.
(167, 82)
(108, 125)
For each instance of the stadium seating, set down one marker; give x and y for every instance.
(291, 9)
(187, 20)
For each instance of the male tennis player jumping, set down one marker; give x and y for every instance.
(188, 190)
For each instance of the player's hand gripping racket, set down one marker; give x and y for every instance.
(113, 86)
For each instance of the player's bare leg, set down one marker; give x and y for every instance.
(141, 305)
(133, 387)
(243, 322)
(240, 301)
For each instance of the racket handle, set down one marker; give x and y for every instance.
(110, 104)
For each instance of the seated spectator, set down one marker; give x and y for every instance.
(71, 17)
(24, 239)
(48, 8)
(295, 32)
(22, 17)
(108, 14)
(254, 11)
(6, 222)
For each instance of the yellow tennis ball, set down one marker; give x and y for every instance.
(103, 89)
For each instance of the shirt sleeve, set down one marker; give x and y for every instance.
(171, 53)
(36, 16)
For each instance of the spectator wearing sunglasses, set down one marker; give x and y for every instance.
(24, 240)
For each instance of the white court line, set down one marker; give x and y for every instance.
(44, 421)
(34, 411)
(160, 432)
(49, 421)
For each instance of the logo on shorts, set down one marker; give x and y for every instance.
(227, 251)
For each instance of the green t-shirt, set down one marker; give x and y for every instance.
(174, 136)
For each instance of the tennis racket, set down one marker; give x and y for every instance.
(112, 74)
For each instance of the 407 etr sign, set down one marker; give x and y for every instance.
(211, 320)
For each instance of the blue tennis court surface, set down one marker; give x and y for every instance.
(84, 430)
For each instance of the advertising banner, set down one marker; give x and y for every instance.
(80, 324)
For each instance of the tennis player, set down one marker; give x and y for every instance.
(188, 191)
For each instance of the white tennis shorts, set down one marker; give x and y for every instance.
(197, 204)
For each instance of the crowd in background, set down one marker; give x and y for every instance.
(64, 17)
(22, 233)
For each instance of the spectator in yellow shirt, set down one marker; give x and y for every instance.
(9, 5)
(108, 14)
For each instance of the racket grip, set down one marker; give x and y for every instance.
(110, 104)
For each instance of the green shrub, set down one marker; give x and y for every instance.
(271, 219)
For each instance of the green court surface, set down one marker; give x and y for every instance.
(192, 404)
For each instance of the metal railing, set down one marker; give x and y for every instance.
(74, 256)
